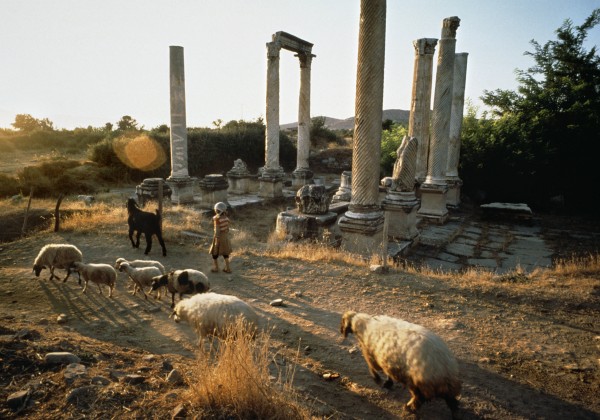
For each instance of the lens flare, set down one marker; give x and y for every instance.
(140, 152)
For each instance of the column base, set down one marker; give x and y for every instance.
(270, 185)
(296, 225)
(453, 195)
(401, 215)
(301, 176)
(182, 189)
(433, 203)
(362, 233)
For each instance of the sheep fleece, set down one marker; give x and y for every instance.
(212, 313)
(408, 353)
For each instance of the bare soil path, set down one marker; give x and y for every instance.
(527, 348)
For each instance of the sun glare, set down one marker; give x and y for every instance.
(140, 152)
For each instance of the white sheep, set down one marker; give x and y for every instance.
(406, 353)
(97, 273)
(187, 282)
(141, 276)
(212, 314)
(57, 256)
(140, 263)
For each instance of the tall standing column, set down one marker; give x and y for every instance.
(456, 119)
(271, 179)
(362, 224)
(418, 123)
(434, 190)
(302, 174)
(180, 182)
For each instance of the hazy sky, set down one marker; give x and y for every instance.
(84, 62)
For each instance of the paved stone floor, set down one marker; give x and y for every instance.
(499, 246)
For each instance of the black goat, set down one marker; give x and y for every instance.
(144, 222)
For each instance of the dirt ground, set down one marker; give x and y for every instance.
(527, 348)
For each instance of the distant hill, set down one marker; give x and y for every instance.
(397, 115)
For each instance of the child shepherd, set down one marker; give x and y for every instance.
(220, 244)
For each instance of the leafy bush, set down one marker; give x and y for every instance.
(390, 141)
(9, 186)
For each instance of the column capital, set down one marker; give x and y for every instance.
(449, 27)
(305, 59)
(425, 46)
(273, 49)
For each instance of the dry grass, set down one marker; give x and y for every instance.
(233, 380)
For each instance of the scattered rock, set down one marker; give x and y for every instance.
(116, 375)
(100, 380)
(149, 357)
(133, 379)
(298, 294)
(74, 371)
(352, 350)
(78, 395)
(62, 318)
(17, 400)
(276, 302)
(378, 269)
(167, 365)
(179, 412)
(330, 376)
(61, 358)
(174, 377)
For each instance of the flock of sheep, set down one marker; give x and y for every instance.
(406, 353)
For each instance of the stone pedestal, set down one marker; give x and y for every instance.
(362, 231)
(148, 190)
(344, 192)
(213, 188)
(453, 195)
(270, 184)
(401, 215)
(295, 225)
(433, 203)
(301, 177)
(312, 199)
(182, 189)
(239, 178)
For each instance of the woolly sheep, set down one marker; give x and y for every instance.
(187, 282)
(142, 263)
(57, 256)
(406, 353)
(141, 276)
(97, 273)
(211, 314)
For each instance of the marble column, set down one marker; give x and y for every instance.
(271, 179)
(456, 119)
(302, 174)
(362, 224)
(420, 109)
(182, 185)
(434, 189)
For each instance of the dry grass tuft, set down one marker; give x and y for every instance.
(312, 252)
(580, 266)
(232, 380)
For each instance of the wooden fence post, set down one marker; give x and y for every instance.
(57, 213)
(24, 229)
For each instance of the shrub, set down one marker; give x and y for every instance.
(9, 186)
(390, 141)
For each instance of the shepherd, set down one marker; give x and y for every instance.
(220, 244)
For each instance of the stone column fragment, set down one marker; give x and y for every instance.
(362, 224)
(456, 119)
(420, 109)
(302, 174)
(434, 189)
(179, 181)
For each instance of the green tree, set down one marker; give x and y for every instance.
(27, 124)
(544, 136)
(391, 139)
(127, 123)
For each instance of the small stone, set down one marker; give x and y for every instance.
(174, 377)
(62, 318)
(179, 412)
(352, 350)
(61, 358)
(298, 294)
(17, 400)
(307, 349)
(276, 302)
(74, 371)
(133, 379)
(116, 375)
(100, 380)
(81, 393)
(149, 357)
(484, 360)
(167, 365)
(23, 334)
(378, 269)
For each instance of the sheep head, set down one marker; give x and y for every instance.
(346, 326)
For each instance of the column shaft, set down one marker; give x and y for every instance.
(442, 104)
(272, 111)
(456, 119)
(418, 123)
(179, 154)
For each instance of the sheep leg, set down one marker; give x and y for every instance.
(388, 384)
(110, 291)
(172, 299)
(52, 275)
(131, 238)
(452, 402)
(415, 401)
(373, 368)
(85, 282)
(99, 288)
